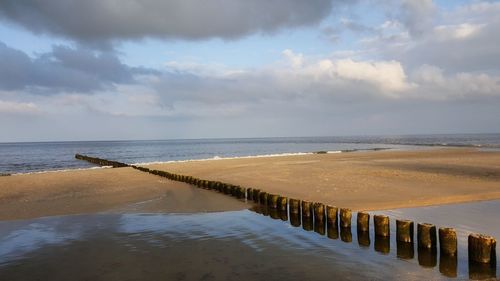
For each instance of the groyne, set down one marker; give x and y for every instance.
(333, 220)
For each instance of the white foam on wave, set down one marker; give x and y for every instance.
(215, 158)
(61, 171)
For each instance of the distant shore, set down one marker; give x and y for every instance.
(372, 180)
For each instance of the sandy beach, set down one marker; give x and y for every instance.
(362, 181)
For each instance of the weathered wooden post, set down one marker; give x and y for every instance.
(256, 193)
(282, 204)
(294, 206)
(404, 231)
(331, 215)
(426, 235)
(447, 241)
(482, 248)
(363, 222)
(272, 201)
(263, 198)
(306, 209)
(345, 217)
(381, 225)
(249, 195)
(319, 212)
(307, 222)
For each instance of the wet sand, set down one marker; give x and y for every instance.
(361, 181)
(88, 191)
(365, 180)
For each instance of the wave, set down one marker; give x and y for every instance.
(60, 171)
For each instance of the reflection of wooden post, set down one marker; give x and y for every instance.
(482, 248)
(448, 265)
(363, 238)
(427, 257)
(331, 215)
(319, 212)
(382, 244)
(363, 221)
(346, 234)
(294, 206)
(345, 217)
(282, 204)
(447, 241)
(426, 235)
(381, 224)
(404, 230)
(405, 250)
(481, 271)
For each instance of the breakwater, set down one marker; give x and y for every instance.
(334, 222)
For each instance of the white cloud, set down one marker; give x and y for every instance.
(12, 107)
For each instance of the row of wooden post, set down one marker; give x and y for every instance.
(101, 162)
(481, 248)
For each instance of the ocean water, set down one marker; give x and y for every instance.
(47, 156)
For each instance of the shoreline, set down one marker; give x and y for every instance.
(374, 180)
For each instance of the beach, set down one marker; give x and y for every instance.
(374, 180)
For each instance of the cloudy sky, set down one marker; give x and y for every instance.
(154, 69)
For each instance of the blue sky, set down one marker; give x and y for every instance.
(106, 70)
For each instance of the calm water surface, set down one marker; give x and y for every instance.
(239, 245)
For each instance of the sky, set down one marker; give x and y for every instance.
(154, 69)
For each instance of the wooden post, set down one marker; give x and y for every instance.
(404, 230)
(482, 248)
(319, 212)
(294, 206)
(331, 215)
(256, 195)
(363, 222)
(345, 217)
(272, 201)
(249, 194)
(447, 241)
(426, 235)
(295, 219)
(263, 198)
(282, 204)
(306, 209)
(381, 225)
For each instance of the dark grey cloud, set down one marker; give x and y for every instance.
(104, 20)
(63, 69)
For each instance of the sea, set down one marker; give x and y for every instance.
(34, 157)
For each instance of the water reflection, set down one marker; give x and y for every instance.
(364, 238)
(427, 257)
(382, 244)
(405, 250)
(252, 230)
